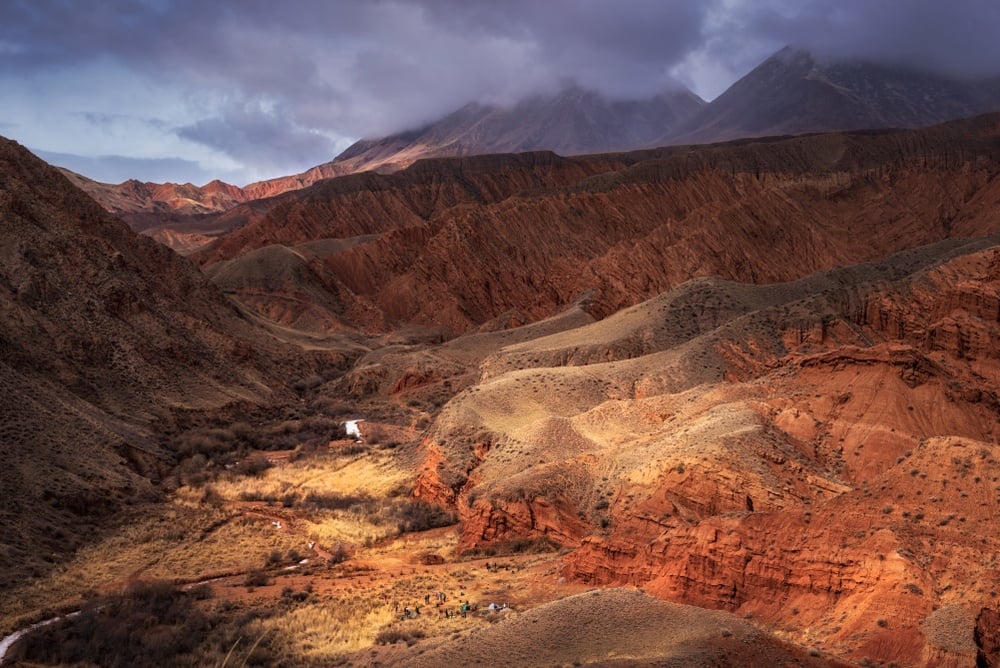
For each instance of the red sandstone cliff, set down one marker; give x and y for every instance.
(458, 242)
(820, 454)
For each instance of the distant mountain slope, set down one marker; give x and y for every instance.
(794, 92)
(574, 122)
(570, 122)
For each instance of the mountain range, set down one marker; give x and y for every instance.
(755, 378)
(792, 92)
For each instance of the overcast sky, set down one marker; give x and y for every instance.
(191, 90)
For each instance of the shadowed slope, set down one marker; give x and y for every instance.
(103, 334)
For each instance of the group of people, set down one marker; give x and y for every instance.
(440, 598)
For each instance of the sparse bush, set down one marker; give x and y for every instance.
(150, 623)
(375, 433)
(258, 578)
(418, 515)
(335, 501)
(308, 383)
(339, 554)
(395, 635)
(193, 471)
(331, 406)
(254, 465)
(354, 448)
(211, 497)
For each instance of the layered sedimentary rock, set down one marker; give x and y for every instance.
(456, 243)
(820, 454)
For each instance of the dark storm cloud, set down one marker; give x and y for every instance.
(365, 67)
(284, 85)
(958, 38)
(623, 49)
(255, 134)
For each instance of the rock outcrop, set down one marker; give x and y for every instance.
(458, 242)
(818, 454)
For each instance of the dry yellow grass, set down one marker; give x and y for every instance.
(173, 542)
(349, 606)
(374, 473)
(187, 539)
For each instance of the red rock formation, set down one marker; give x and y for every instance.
(820, 454)
(460, 242)
(987, 636)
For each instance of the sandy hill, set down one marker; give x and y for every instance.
(615, 627)
(819, 454)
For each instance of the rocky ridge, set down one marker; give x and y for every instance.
(455, 243)
(795, 91)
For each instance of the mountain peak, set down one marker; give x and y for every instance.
(572, 120)
(796, 91)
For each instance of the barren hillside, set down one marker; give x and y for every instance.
(758, 378)
(819, 454)
(458, 242)
(105, 337)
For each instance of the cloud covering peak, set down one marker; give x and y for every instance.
(249, 89)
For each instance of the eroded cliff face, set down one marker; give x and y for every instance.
(820, 454)
(458, 242)
(987, 637)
